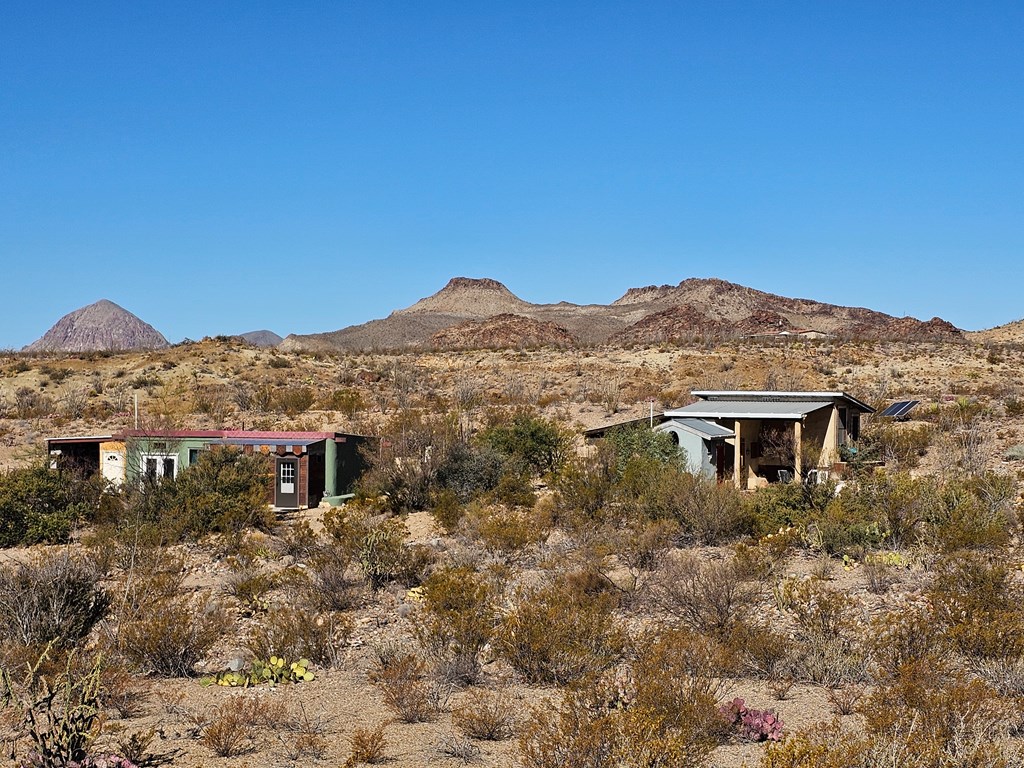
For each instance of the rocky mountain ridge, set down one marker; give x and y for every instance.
(485, 313)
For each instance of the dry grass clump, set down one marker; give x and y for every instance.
(368, 746)
(233, 727)
(486, 715)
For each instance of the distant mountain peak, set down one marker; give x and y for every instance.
(102, 325)
(470, 297)
(484, 283)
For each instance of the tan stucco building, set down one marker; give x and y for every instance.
(772, 437)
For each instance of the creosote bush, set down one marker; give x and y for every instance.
(404, 681)
(560, 633)
(39, 505)
(456, 619)
(170, 635)
(664, 713)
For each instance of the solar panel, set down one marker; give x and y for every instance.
(899, 410)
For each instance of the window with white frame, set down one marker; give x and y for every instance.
(158, 466)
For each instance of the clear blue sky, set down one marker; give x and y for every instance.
(218, 167)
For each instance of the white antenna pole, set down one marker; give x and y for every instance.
(136, 410)
(652, 413)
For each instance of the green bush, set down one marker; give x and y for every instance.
(225, 491)
(40, 505)
(469, 471)
(539, 444)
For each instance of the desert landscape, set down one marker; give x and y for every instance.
(498, 591)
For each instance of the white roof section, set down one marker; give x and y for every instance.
(748, 409)
(705, 429)
(782, 396)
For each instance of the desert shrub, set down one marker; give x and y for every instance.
(348, 401)
(377, 543)
(447, 510)
(514, 490)
(293, 400)
(709, 511)
(559, 633)
(824, 745)
(897, 504)
(705, 596)
(225, 491)
(486, 715)
(939, 717)
(249, 582)
(663, 714)
(978, 606)
(1014, 407)
(783, 506)
(974, 512)
(56, 598)
(367, 746)
(1014, 453)
(469, 471)
(406, 686)
(329, 584)
(826, 619)
(232, 728)
(39, 505)
(502, 529)
(538, 444)
(384, 557)
(31, 404)
(762, 651)
(578, 732)
(584, 491)
(630, 442)
(278, 361)
(296, 633)
(170, 635)
(844, 528)
(881, 570)
(403, 465)
(901, 445)
(456, 619)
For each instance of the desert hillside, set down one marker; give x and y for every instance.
(495, 574)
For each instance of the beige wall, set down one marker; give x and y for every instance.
(113, 458)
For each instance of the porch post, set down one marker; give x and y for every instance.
(737, 454)
(798, 436)
(330, 467)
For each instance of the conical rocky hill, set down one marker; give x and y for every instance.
(100, 326)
